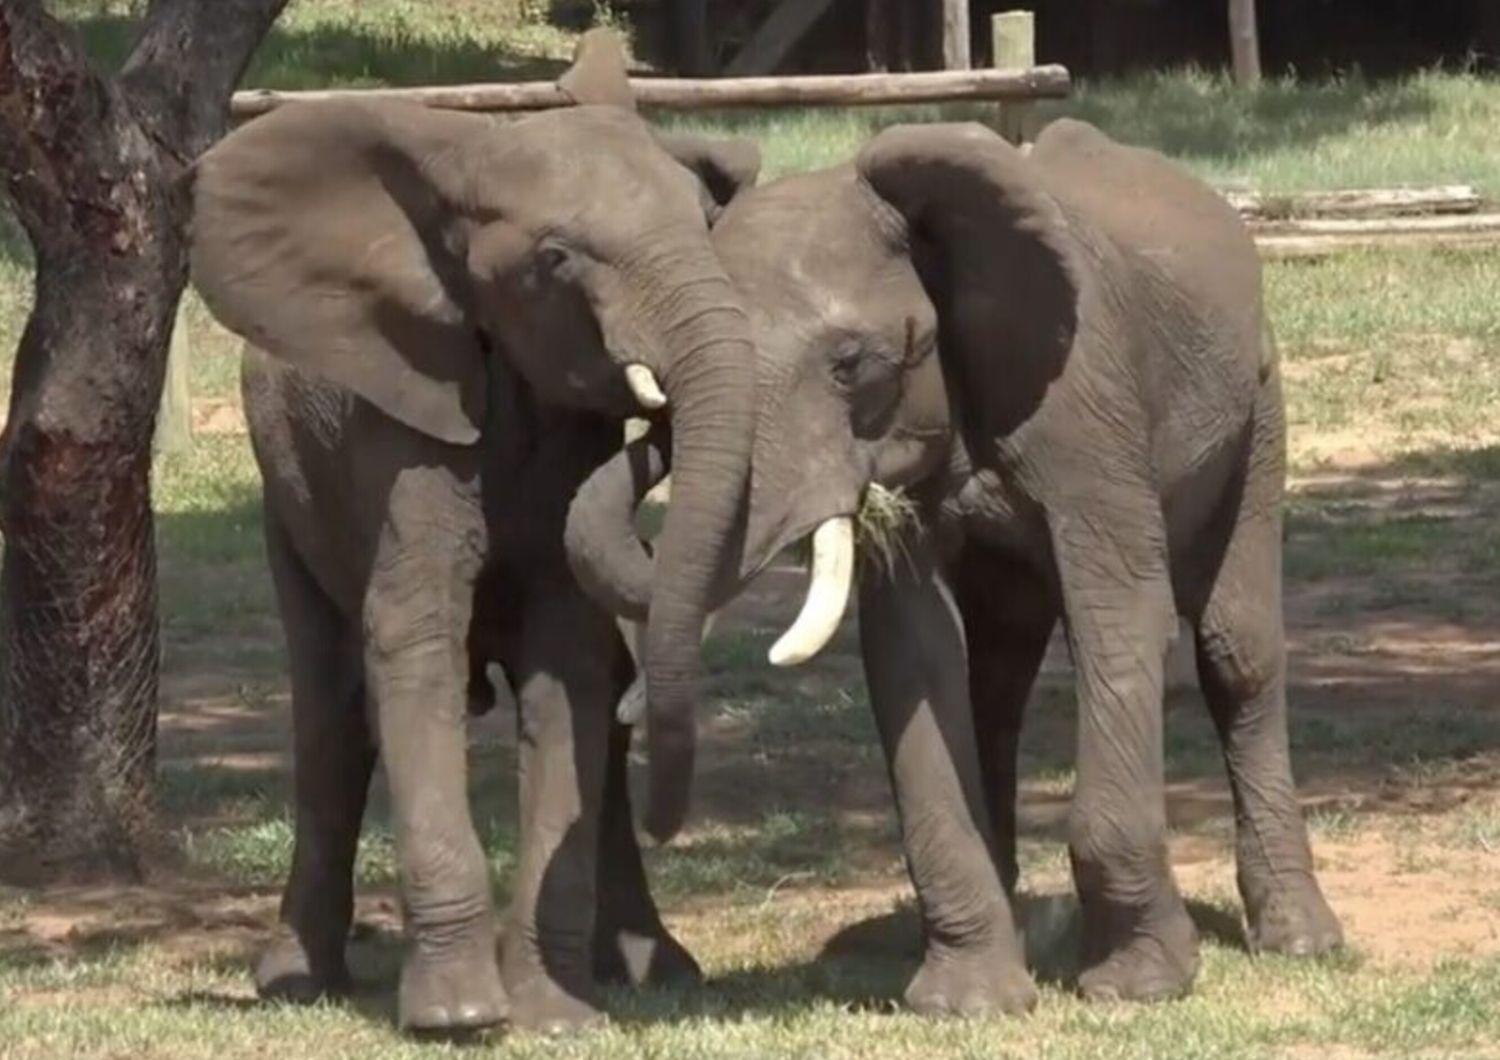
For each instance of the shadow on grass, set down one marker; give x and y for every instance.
(1393, 600)
(866, 967)
(326, 56)
(1191, 115)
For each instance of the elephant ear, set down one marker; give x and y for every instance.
(332, 235)
(1013, 276)
(726, 168)
(599, 74)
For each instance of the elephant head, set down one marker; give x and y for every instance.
(391, 249)
(939, 239)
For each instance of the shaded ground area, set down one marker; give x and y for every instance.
(790, 883)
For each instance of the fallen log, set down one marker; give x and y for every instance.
(1320, 238)
(851, 90)
(1358, 202)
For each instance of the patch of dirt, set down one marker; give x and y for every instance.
(1421, 640)
(218, 416)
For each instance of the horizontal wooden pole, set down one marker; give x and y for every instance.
(1283, 248)
(1317, 239)
(1384, 226)
(851, 90)
(1358, 202)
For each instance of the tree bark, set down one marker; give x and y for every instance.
(91, 166)
(1244, 43)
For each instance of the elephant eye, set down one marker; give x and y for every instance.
(554, 261)
(845, 364)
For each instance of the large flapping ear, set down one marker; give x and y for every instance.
(598, 74)
(1008, 249)
(726, 167)
(333, 236)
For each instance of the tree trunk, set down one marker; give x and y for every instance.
(92, 166)
(1244, 43)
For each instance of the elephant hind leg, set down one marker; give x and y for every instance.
(1140, 944)
(1008, 614)
(1242, 669)
(333, 755)
(631, 944)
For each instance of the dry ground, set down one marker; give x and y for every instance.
(790, 884)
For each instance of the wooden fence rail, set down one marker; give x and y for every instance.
(851, 90)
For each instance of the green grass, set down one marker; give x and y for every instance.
(130, 1003)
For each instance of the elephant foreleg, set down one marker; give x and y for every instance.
(332, 758)
(417, 607)
(1008, 615)
(912, 642)
(1139, 942)
(631, 944)
(569, 670)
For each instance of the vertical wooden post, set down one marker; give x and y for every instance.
(1014, 37)
(1244, 43)
(174, 419)
(957, 53)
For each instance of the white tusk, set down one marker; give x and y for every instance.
(644, 386)
(827, 594)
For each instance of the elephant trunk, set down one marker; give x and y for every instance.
(603, 548)
(707, 375)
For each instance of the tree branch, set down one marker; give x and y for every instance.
(52, 109)
(190, 57)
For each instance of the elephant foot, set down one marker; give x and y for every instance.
(988, 982)
(654, 958)
(1158, 963)
(286, 972)
(541, 1006)
(454, 995)
(1295, 921)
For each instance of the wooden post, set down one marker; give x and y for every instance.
(1244, 43)
(174, 420)
(1014, 37)
(956, 49)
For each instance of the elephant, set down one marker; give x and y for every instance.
(449, 320)
(1060, 357)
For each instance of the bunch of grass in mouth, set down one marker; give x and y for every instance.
(880, 527)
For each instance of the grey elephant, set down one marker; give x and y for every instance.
(450, 320)
(1063, 359)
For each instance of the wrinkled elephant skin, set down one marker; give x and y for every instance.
(450, 320)
(1063, 358)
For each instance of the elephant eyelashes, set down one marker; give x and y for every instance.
(845, 365)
